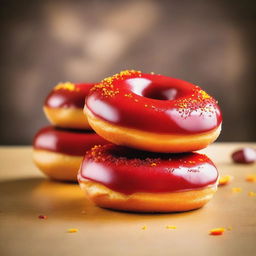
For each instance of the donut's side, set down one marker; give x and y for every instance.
(147, 202)
(166, 143)
(73, 118)
(57, 166)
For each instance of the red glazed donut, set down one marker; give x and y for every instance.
(125, 179)
(153, 112)
(64, 105)
(58, 153)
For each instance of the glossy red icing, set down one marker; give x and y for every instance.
(128, 171)
(66, 95)
(154, 103)
(70, 142)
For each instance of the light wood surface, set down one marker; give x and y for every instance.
(25, 193)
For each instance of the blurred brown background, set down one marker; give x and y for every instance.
(208, 42)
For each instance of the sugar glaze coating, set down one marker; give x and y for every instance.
(129, 171)
(154, 103)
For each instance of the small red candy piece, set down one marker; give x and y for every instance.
(42, 217)
(244, 156)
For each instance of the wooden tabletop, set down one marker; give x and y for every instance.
(25, 194)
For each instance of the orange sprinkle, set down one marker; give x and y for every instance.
(251, 193)
(236, 190)
(251, 178)
(171, 227)
(225, 179)
(72, 230)
(153, 164)
(217, 231)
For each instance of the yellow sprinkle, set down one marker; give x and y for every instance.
(225, 179)
(251, 193)
(171, 227)
(204, 94)
(129, 95)
(229, 228)
(106, 85)
(236, 190)
(144, 227)
(66, 86)
(72, 230)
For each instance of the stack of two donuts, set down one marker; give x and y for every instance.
(58, 149)
(155, 123)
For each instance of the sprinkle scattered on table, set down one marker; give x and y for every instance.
(72, 230)
(251, 193)
(236, 190)
(251, 178)
(144, 227)
(225, 179)
(42, 217)
(171, 227)
(217, 231)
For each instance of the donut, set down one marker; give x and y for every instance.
(153, 113)
(121, 178)
(58, 153)
(63, 107)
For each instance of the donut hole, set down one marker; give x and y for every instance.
(148, 89)
(160, 93)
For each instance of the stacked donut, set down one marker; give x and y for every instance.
(155, 123)
(59, 149)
